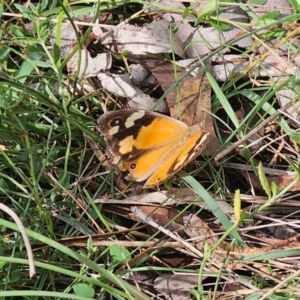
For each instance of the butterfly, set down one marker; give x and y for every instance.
(149, 145)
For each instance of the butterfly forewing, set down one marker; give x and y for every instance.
(132, 133)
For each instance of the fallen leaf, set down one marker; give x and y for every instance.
(155, 37)
(199, 230)
(176, 286)
(86, 66)
(281, 181)
(120, 86)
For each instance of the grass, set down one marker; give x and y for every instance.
(85, 248)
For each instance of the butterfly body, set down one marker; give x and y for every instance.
(150, 145)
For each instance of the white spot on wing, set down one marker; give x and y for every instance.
(126, 145)
(135, 116)
(113, 130)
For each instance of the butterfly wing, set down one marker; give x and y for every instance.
(190, 146)
(149, 145)
(130, 133)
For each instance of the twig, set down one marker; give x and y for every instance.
(254, 131)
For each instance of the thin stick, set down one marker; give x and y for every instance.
(248, 135)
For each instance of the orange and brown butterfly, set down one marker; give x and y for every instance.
(149, 145)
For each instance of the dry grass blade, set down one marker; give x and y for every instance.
(20, 225)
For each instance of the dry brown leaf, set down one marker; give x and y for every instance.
(151, 38)
(121, 86)
(163, 216)
(282, 232)
(199, 230)
(176, 286)
(281, 181)
(231, 65)
(86, 66)
(205, 39)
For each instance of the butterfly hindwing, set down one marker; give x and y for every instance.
(179, 157)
